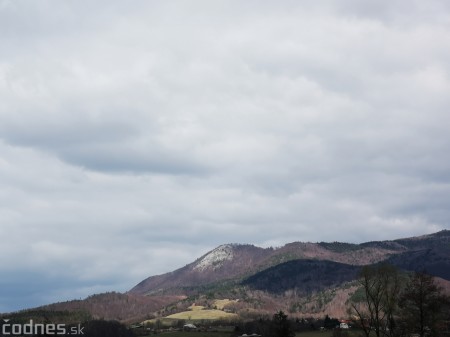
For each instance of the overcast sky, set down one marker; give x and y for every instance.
(136, 136)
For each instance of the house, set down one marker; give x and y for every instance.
(189, 327)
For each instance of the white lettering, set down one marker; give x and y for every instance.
(4, 329)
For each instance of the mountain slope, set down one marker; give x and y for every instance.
(430, 253)
(432, 261)
(308, 276)
(235, 262)
(262, 280)
(223, 263)
(115, 306)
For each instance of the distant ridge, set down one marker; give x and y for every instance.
(236, 262)
(304, 279)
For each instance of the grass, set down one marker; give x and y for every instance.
(193, 317)
(196, 315)
(220, 332)
(227, 333)
(196, 307)
(220, 304)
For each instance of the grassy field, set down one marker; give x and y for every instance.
(196, 307)
(220, 304)
(228, 333)
(220, 332)
(197, 315)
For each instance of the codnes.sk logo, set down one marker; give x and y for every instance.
(31, 328)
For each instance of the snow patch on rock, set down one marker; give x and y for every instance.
(215, 258)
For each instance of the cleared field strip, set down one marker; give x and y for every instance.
(211, 314)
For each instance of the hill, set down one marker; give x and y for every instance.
(115, 306)
(301, 278)
(233, 262)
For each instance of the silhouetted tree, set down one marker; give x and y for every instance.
(423, 305)
(281, 325)
(381, 287)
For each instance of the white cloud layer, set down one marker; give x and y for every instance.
(134, 137)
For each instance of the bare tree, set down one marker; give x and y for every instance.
(381, 287)
(423, 305)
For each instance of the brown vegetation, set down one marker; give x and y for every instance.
(117, 306)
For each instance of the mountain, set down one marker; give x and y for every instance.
(304, 279)
(430, 253)
(234, 262)
(225, 262)
(308, 278)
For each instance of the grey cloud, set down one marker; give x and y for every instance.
(54, 135)
(125, 160)
(165, 129)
